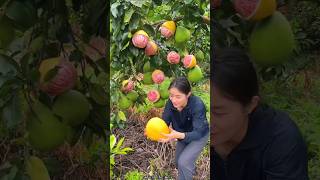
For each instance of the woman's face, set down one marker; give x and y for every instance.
(178, 98)
(230, 117)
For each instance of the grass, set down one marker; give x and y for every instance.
(300, 98)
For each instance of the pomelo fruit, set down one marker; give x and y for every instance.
(133, 95)
(147, 78)
(124, 102)
(199, 55)
(127, 86)
(151, 48)
(189, 61)
(160, 103)
(147, 67)
(163, 88)
(153, 96)
(36, 169)
(140, 39)
(155, 126)
(46, 131)
(255, 9)
(195, 74)
(182, 35)
(57, 75)
(173, 57)
(272, 41)
(72, 106)
(168, 29)
(158, 76)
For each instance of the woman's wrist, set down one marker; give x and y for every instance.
(182, 135)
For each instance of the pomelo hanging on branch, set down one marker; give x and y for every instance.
(189, 61)
(157, 76)
(151, 48)
(127, 86)
(160, 103)
(153, 96)
(155, 126)
(195, 74)
(163, 88)
(255, 9)
(133, 95)
(45, 131)
(64, 107)
(140, 39)
(168, 29)
(200, 55)
(182, 35)
(124, 102)
(272, 41)
(57, 75)
(173, 57)
(147, 78)
(36, 169)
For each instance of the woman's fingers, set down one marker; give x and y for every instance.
(166, 135)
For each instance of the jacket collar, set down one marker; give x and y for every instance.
(259, 128)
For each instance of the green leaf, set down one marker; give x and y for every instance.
(119, 144)
(122, 116)
(113, 141)
(128, 15)
(114, 10)
(138, 3)
(12, 113)
(188, 1)
(134, 22)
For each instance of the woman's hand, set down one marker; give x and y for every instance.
(172, 136)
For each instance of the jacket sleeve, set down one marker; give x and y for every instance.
(166, 115)
(286, 156)
(199, 123)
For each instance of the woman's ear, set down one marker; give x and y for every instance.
(253, 104)
(189, 94)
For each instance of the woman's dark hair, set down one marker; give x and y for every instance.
(234, 75)
(182, 84)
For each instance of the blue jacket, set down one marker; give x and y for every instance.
(272, 149)
(191, 120)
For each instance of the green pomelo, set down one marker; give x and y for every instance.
(195, 74)
(72, 106)
(124, 102)
(160, 103)
(147, 78)
(199, 55)
(46, 132)
(272, 41)
(182, 35)
(36, 169)
(133, 95)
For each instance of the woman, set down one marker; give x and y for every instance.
(251, 141)
(186, 114)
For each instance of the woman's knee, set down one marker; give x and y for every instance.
(184, 162)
